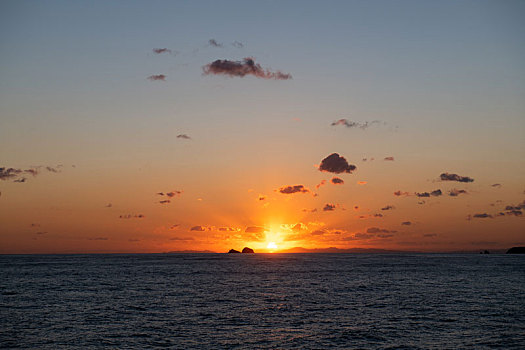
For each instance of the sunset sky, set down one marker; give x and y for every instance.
(155, 126)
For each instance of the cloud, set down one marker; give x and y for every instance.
(406, 223)
(389, 158)
(17, 174)
(159, 51)
(384, 236)
(262, 198)
(388, 207)
(166, 201)
(132, 216)
(174, 226)
(181, 239)
(329, 207)
(242, 68)
(109, 205)
(228, 229)
(238, 44)
(379, 230)
(35, 225)
(435, 193)
(455, 177)
(361, 235)
(429, 235)
(40, 233)
(482, 216)
(352, 124)
(515, 212)
(183, 136)
(496, 185)
(322, 183)
(377, 215)
(455, 192)
(399, 193)
(198, 228)
(362, 182)
(337, 181)
(516, 207)
(255, 229)
(157, 77)
(98, 239)
(52, 170)
(213, 42)
(173, 193)
(293, 189)
(336, 164)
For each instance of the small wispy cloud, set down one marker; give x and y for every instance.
(242, 68)
(238, 44)
(183, 136)
(161, 51)
(329, 207)
(293, 189)
(157, 77)
(354, 124)
(455, 177)
(389, 159)
(132, 216)
(455, 192)
(337, 181)
(214, 43)
(388, 207)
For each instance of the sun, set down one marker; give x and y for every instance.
(271, 246)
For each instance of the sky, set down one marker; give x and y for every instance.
(157, 126)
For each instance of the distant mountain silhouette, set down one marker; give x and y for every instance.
(516, 250)
(247, 250)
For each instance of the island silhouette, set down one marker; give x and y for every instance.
(245, 250)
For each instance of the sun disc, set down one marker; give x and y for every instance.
(272, 245)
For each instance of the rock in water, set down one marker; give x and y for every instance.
(516, 250)
(233, 251)
(247, 250)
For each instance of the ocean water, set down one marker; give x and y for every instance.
(274, 301)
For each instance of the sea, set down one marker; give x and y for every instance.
(263, 301)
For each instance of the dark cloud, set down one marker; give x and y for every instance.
(132, 216)
(213, 42)
(310, 210)
(183, 136)
(109, 205)
(435, 193)
(399, 193)
(160, 193)
(455, 177)
(238, 44)
(378, 215)
(262, 198)
(361, 235)
(98, 239)
(337, 181)
(516, 207)
(352, 124)
(515, 212)
(482, 216)
(16, 174)
(52, 170)
(173, 193)
(379, 230)
(157, 77)
(159, 51)
(336, 164)
(496, 185)
(228, 229)
(384, 236)
(242, 68)
(174, 226)
(293, 189)
(429, 235)
(406, 223)
(455, 192)
(389, 158)
(166, 201)
(388, 207)
(198, 228)
(329, 207)
(317, 233)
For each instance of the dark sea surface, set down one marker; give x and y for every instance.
(285, 301)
